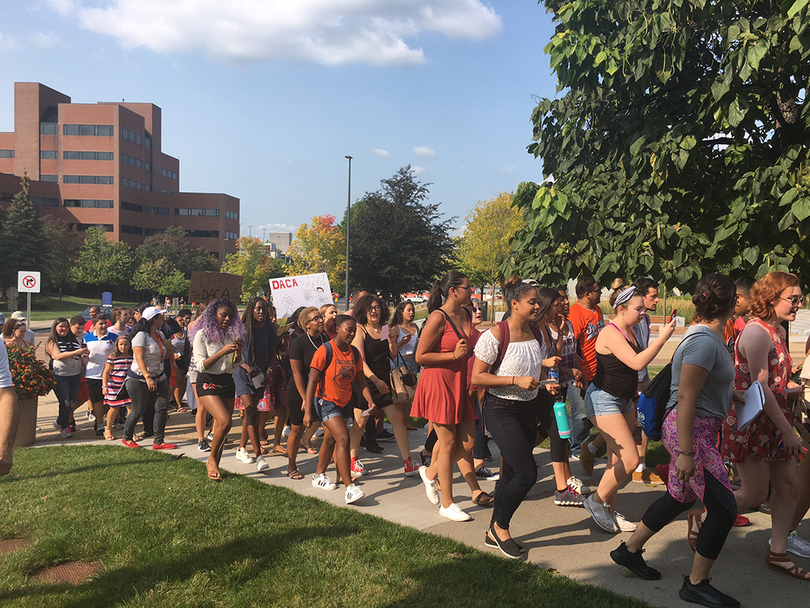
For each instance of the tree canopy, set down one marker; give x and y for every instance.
(253, 263)
(679, 146)
(173, 246)
(22, 240)
(398, 241)
(319, 246)
(487, 239)
(103, 263)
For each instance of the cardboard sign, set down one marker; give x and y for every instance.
(290, 293)
(207, 286)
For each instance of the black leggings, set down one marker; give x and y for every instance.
(721, 511)
(513, 426)
(547, 426)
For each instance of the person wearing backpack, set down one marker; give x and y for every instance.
(701, 396)
(509, 364)
(336, 368)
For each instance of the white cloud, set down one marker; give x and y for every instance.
(380, 152)
(417, 170)
(44, 40)
(322, 31)
(508, 169)
(423, 151)
(274, 228)
(8, 43)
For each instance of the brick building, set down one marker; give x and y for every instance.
(102, 165)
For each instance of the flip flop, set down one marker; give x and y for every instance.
(294, 474)
(483, 499)
(214, 476)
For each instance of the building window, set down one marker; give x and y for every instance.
(131, 183)
(84, 227)
(147, 188)
(74, 155)
(87, 179)
(156, 210)
(131, 136)
(148, 141)
(203, 234)
(135, 162)
(147, 166)
(40, 201)
(49, 178)
(131, 229)
(10, 154)
(164, 191)
(233, 215)
(97, 130)
(231, 236)
(48, 128)
(197, 211)
(131, 207)
(88, 203)
(153, 231)
(169, 174)
(43, 154)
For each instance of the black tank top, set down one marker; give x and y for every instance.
(615, 377)
(377, 356)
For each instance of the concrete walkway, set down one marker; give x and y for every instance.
(564, 539)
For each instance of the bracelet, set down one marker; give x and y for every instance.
(513, 381)
(685, 453)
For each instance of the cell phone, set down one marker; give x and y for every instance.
(384, 332)
(672, 314)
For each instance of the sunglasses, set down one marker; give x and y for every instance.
(794, 301)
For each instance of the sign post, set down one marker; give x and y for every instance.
(28, 281)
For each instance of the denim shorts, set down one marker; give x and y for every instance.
(601, 403)
(328, 409)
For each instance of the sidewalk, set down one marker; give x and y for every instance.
(564, 539)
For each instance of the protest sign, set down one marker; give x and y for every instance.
(290, 293)
(207, 286)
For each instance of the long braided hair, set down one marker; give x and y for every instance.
(247, 321)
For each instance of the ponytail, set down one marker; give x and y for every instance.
(440, 289)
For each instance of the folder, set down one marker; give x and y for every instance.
(754, 401)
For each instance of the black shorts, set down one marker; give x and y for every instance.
(217, 385)
(94, 388)
(377, 397)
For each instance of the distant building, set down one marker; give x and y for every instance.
(279, 241)
(102, 165)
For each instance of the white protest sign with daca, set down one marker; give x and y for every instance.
(290, 293)
(207, 286)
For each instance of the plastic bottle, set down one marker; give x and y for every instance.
(554, 374)
(561, 414)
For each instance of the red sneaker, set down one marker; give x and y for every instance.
(411, 468)
(164, 446)
(128, 443)
(741, 521)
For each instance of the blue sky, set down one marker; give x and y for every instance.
(263, 99)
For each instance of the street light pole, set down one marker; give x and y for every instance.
(348, 224)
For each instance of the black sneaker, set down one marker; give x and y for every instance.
(425, 459)
(508, 547)
(634, 563)
(705, 595)
(491, 543)
(202, 446)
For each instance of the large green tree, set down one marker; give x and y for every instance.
(173, 246)
(64, 243)
(319, 246)
(679, 143)
(253, 262)
(102, 263)
(22, 241)
(399, 242)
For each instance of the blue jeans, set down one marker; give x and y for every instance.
(67, 392)
(513, 425)
(580, 425)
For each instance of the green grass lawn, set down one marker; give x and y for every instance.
(45, 308)
(167, 536)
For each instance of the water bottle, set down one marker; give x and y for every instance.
(561, 414)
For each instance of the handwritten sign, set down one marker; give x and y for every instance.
(207, 286)
(290, 293)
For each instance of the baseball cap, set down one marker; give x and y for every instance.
(151, 312)
(18, 315)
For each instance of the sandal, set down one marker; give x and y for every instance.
(294, 474)
(264, 441)
(782, 563)
(309, 449)
(694, 519)
(108, 435)
(483, 499)
(213, 475)
(263, 451)
(277, 449)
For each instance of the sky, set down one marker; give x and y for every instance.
(263, 99)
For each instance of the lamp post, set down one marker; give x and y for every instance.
(348, 224)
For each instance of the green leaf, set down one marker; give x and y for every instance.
(756, 52)
(797, 6)
(688, 142)
(786, 222)
(801, 208)
(600, 57)
(737, 110)
(733, 32)
(788, 197)
(635, 148)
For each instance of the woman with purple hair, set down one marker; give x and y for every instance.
(218, 337)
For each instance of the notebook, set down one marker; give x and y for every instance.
(754, 401)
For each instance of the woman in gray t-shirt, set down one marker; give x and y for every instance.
(702, 393)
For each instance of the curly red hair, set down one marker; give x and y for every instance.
(769, 288)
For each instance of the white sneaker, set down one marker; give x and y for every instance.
(797, 545)
(261, 464)
(319, 432)
(323, 482)
(577, 484)
(353, 494)
(622, 523)
(602, 514)
(454, 513)
(243, 456)
(431, 489)
(210, 436)
(286, 432)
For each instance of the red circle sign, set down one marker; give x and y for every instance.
(29, 281)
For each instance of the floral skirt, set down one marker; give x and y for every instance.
(761, 440)
(707, 457)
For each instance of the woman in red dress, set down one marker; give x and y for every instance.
(441, 394)
(768, 447)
